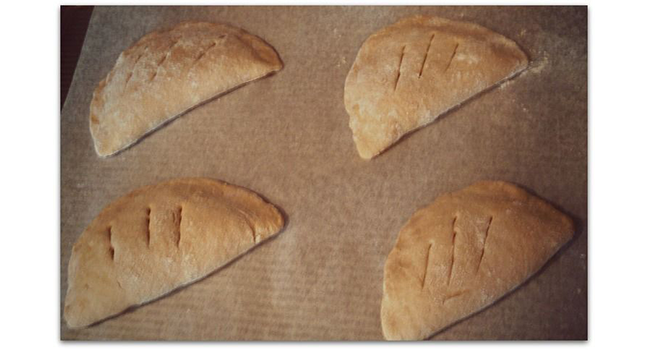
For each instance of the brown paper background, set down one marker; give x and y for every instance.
(286, 137)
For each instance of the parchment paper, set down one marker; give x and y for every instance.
(287, 138)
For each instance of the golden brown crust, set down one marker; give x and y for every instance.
(168, 72)
(158, 238)
(409, 73)
(462, 253)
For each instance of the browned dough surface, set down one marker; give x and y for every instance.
(158, 238)
(411, 72)
(170, 71)
(463, 252)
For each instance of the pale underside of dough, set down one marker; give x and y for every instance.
(462, 253)
(168, 72)
(158, 238)
(409, 73)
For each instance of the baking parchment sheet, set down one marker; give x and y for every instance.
(287, 138)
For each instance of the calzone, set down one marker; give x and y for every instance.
(463, 252)
(158, 238)
(168, 72)
(411, 72)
